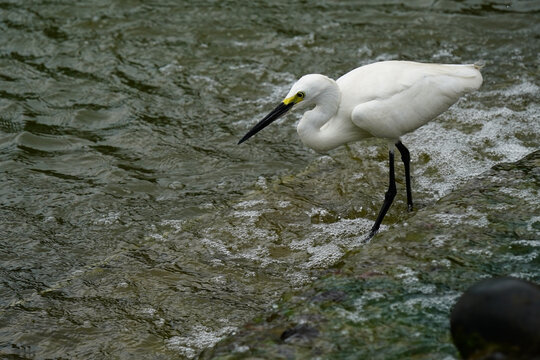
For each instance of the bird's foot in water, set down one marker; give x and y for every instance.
(409, 208)
(371, 234)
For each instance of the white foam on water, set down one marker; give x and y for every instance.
(219, 280)
(249, 203)
(299, 41)
(317, 211)
(200, 337)
(449, 357)
(171, 68)
(247, 231)
(239, 349)
(250, 216)
(364, 50)
(240, 44)
(408, 275)
(439, 240)
(324, 160)
(298, 279)
(158, 237)
(358, 314)
(443, 53)
(526, 258)
(108, 219)
(527, 194)
(525, 275)
(353, 316)
(216, 245)
(177, 225)
(482, 252)
(469, 216)
(344, 228)
(425, 288)
(283, 204)
(531, 243)
(148, 311)
(383, 57)
(498, 207)
(262, 183)
(524, 88)
(327, 242)
(164, 235)
(260, 255)
(323, 256)
(459, 153)
(441, 303)
(301, 244)
(443, 262)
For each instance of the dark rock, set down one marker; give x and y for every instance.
(332, 295)
(301, 333)
(498, 318)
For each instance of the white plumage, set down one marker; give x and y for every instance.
(386, 100)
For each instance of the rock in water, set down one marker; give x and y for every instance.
(498, 318)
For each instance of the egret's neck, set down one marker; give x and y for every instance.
(326, 107)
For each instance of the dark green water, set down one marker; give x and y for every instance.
(133, 226)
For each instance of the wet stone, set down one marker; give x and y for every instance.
(498, 318)
(299, 334)
(405, 309)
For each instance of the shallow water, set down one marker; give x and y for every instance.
(391, 299)
(132, 225)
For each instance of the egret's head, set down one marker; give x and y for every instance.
(303, 93)
(306, 91)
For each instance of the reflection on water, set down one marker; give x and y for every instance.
(131, 225)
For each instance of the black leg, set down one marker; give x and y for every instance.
(406, 158)
(388, 197)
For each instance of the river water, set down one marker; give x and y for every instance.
(133, 226)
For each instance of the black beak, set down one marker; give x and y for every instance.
(280, 110)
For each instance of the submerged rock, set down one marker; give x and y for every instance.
(299, 334)
(392, 298)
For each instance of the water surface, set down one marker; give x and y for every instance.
(133, 226)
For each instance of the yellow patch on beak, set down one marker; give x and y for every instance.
(293, 99)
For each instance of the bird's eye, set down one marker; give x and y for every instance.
(300, 94)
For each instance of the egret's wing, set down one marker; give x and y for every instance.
(396, 97)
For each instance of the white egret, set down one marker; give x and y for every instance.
(385, 100)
